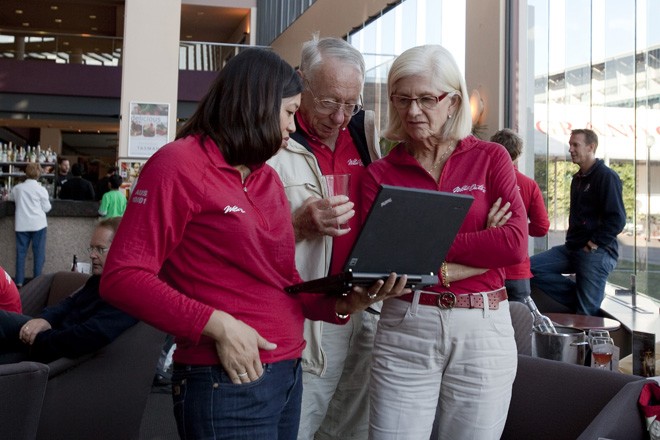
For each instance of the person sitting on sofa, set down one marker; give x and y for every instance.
(77, 325)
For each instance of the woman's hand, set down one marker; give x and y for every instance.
(32, 328)
(359, 298)
(498, 215)
(237, 345)
(317, 217)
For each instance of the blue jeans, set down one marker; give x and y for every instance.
(207, 405)
(591, 269)
(23, 239)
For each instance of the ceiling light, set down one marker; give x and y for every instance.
(58, 20)
(65, 43)
(26, 24)
(188, 36)
(95, 29)
(18, 11)
(54, 8)
(93, 17)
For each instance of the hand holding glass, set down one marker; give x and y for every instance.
(337, 185)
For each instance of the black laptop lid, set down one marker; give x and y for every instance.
(408, 231)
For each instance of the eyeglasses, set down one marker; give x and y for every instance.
(329, 107)
(428, 102)
(98, 249)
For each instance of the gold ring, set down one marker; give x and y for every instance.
(372, 295)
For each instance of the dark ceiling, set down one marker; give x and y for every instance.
(104, 18)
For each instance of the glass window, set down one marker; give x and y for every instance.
(408, 24)
(596, 65)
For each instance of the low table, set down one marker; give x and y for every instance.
(584, 322)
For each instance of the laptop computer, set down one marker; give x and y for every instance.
(408, 231)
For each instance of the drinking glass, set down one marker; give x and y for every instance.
(337, 185)
(602, 350)
(593, 333)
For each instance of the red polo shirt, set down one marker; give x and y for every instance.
(345, 159)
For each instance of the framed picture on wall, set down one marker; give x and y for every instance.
(129, 169)
(149, 128)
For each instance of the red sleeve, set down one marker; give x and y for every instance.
(150, 231)
(537, 213)
(319, 307)
(502, 246)
(10, 300)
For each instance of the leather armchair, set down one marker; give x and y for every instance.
(557, 400)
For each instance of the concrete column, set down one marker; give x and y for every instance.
(485, 58)
(150, 60)
(51, 137)
(20, 47)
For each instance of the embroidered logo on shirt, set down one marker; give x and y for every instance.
(469, 188)
(139, 196)
(234, 208)
(354, 162)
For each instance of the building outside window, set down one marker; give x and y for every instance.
(596, 64)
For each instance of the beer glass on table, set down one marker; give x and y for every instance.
(602, 349)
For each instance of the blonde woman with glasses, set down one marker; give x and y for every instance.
(448, 350)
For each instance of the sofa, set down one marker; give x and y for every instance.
(556, 400)
(23, 386)
(101, 395)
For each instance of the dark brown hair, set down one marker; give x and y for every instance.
(241, 110)
(510, 140)
(590, 136)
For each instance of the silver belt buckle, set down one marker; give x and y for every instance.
(446, 300)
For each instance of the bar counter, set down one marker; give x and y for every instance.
(70, 226)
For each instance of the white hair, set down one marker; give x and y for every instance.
(436, 62)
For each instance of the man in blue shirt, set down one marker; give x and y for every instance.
(597, 216)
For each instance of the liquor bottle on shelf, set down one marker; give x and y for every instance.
(74, 267)
(33, 154)
(41, 155)
(541, 322)
(4, 154)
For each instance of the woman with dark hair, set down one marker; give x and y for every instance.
(206, 249)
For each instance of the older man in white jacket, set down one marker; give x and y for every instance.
(334, 136)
